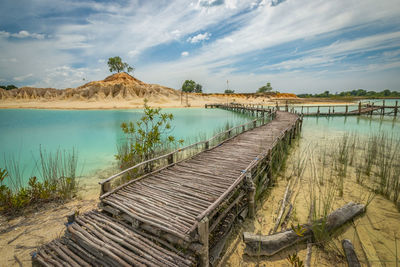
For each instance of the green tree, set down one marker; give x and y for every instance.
(147, 137)
(264, 89)
(8, 87)
(116, 64)
(198, 88)
(188, 86)
(229, 91)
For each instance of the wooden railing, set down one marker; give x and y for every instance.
(106, 183)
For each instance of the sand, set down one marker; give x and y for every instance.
(373, 235)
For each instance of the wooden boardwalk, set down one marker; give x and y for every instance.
(187, 206)
(359, 111)
(362, 109)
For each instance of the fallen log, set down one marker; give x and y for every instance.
(351, 255)
(271, 244)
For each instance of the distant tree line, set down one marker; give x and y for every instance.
(355, 93)
(8, 87)
(190, 86)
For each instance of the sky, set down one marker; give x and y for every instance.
(299, 46)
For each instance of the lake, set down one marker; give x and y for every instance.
(93, 133)
(96, 133)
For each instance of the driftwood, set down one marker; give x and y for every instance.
(272, 244)
(282, 209)
(351, 255)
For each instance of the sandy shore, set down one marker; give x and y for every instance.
(173, 102)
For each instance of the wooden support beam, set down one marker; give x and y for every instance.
(359, 107)
(170, 159)
(347, 108)
(395, 109)
(105, 188)
(251, 194)
(203, 232)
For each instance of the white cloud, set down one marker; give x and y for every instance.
(198, 38)
(22, 78)
(4, 34)
(176, 34)
(184, 53)
(22, 34)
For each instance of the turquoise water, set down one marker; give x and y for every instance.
(362, 125)
(93, 133)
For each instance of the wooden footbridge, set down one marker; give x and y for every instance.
(343, 110)
(181, 213)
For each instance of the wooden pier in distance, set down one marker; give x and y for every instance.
(181, 213)
(360, 109)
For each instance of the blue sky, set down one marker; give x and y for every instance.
(300, 46)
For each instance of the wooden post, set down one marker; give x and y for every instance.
(301, 109)
(329, 110)
(347, 109)
(333, 109)
(383, 107)
(287, 106)
(229, 133)
(243, 128)
(254, 124)
(373, 104)
(105, 188)
(277, 106)
(251, 189)
(203, 232)
(318, 111)
(263, 117)
(359, 108)
(170, 159)
(351, 255)
(395, 109)
(206, 145)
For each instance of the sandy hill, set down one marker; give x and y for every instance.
(116, 86)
